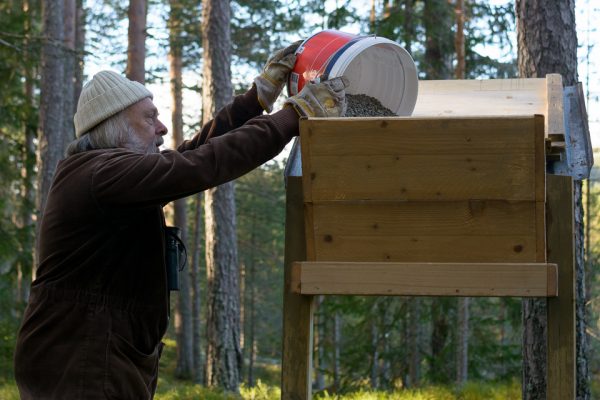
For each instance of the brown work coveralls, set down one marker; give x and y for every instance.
(100, 305)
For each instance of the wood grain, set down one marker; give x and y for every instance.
(554, 105)
(421, 159)
(425, 279)
(296, 365)
(561, 381)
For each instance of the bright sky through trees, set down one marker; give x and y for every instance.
(587, 12)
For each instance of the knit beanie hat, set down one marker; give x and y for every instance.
(104, 96)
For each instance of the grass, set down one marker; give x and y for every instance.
(170, 388)
(173, 389)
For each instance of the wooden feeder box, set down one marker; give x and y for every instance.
(455, 200)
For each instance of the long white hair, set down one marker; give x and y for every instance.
(113, 132)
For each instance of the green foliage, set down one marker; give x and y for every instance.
(19, 59)
(428, 33)
(470, 391)
(260, 203)
(8, 390)
(592, 209)
(260, 392)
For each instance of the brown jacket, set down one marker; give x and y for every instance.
(99, 306)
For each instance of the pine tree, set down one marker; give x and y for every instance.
(223, 353)
(547, 41)
(136, 49)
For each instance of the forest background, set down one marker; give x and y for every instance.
(361, 343)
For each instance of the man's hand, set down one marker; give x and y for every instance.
(325, 99)
(271, 81)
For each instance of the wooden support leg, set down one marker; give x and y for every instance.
(561, 309)
(296, 364)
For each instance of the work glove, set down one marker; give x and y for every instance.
(324, 99)
(271, 81)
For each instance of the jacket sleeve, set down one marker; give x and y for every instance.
(243, 108)
(124, 178)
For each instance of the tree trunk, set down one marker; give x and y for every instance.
(183, 308)
(440, 310)
(408, 25)
(223, 354)
(372, 17)
(462, 353)
(136, 48)
(28, 174)
(50, 137)
(337, 339)
(374, 348)
(249, 309)
(437, 18)
(196, 300)
(386, 368)
(70, 68)
(459, 39)
(414, 335)
(252, 327)
(319, 335)
(80, 49)
(547, 43)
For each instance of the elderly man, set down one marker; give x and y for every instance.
(100, 304)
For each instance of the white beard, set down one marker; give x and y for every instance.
(136, 145)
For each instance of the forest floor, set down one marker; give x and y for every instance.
(267, 387)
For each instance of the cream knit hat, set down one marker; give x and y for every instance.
(105, 95)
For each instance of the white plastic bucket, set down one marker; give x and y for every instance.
(375, 66)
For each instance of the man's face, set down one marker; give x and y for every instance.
(147, 128)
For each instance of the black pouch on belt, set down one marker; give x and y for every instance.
(175, 256)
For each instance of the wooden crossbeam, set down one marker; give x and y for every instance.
(425, 279)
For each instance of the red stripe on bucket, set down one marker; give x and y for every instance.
(314, 55)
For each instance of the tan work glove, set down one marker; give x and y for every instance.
(271, 81)
(324, 99)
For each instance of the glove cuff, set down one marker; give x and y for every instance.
(266, 91)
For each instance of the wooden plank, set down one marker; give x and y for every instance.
(424, 279)
(414, 136)
(481, 97)
(426, 248)
(423, 177)
(540, 231)
(309, 231)
(554, 105)
(424, 159)
(296, 365)
(439, 218)
(540, 189)
(561, 310)
(305, 149)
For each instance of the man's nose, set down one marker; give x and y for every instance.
(161, 129)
